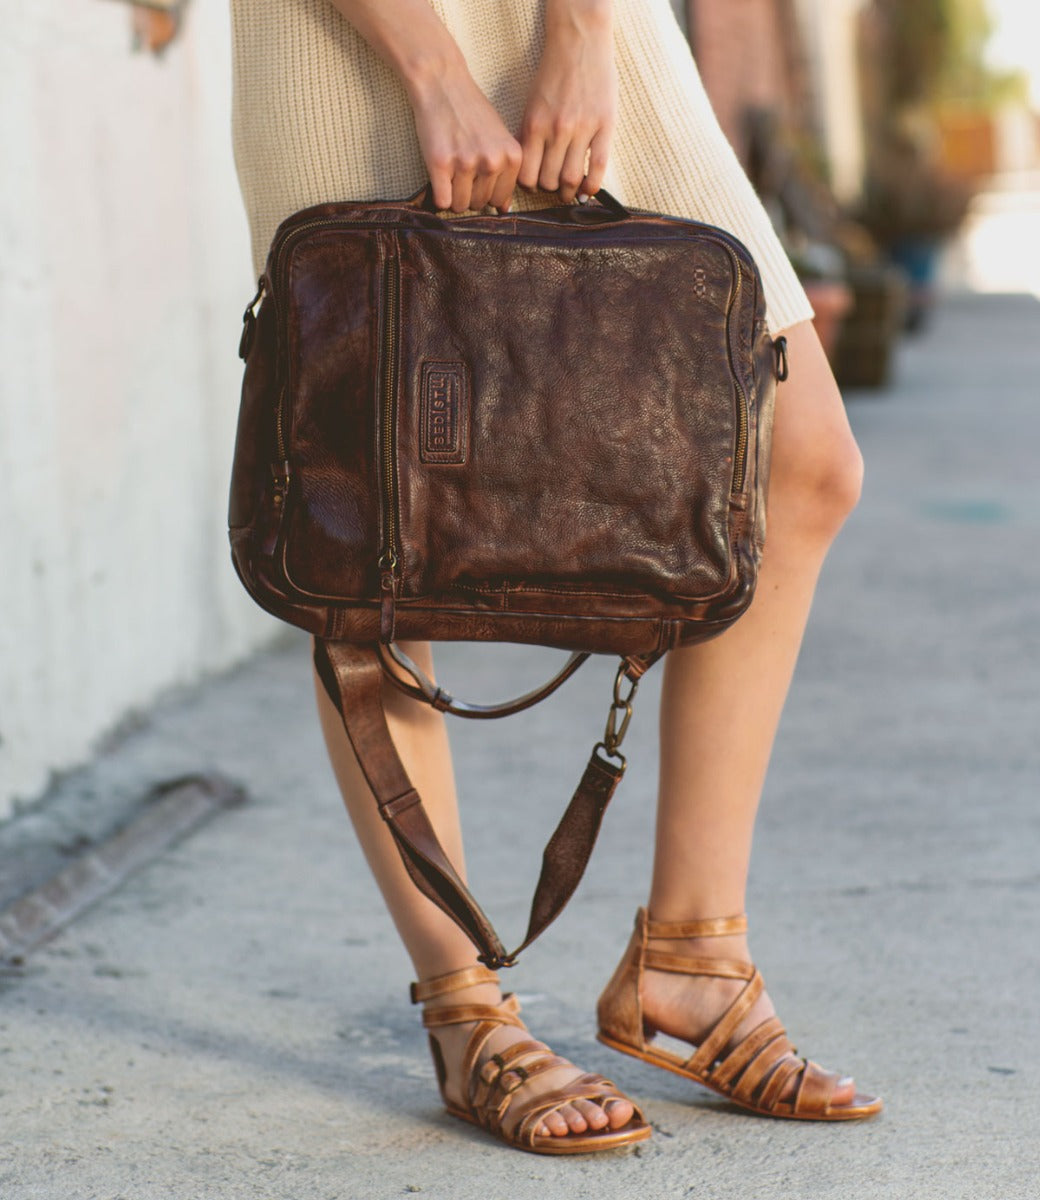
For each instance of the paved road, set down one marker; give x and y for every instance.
(233, 1022)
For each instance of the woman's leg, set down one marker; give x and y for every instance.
(721, 701)
(434, 942)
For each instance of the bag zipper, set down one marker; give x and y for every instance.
(388, 562)
(743, 407)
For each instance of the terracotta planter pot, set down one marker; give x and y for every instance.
(863, 357)
(831, 300)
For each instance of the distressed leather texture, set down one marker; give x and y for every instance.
(548, 427)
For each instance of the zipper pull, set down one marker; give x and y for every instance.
(281, 485)
(389, 579)
(273, 522)
(249, 319)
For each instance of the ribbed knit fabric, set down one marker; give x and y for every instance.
(318, 116)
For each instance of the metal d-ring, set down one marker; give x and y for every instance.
(614, 734)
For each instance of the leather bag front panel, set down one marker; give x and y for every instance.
(585, 464)
(332, 363)
(556, 472)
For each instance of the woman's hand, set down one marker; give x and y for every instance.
(571, 110)
(471, 156)
(154, 26)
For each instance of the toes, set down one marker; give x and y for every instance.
(844, 1091)
(584, 1115)
(555, 1123)
(567, 1119)
(594, 1115)
(576, 1122)
(619, 1112)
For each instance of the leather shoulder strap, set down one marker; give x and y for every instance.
(353, 678)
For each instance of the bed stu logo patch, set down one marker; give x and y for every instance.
(444, 412)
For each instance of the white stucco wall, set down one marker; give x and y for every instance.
(124, 274)
(829, 27)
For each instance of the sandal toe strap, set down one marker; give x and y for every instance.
(761, 1070)
(585, 1087)
(758, 1071)
(789, 1066)
(494, 1104)
(815, 1089)
(736, 1062)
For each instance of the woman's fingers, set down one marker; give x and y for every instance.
(471, 156)
(532, 142)
(153, 28)
(564, 163)
(490, 181)
(461, 187)
(494, 177)
(597, 162)
(504, 182)
(572, 173)
(440, 169)
(569, 117)
(552, 163)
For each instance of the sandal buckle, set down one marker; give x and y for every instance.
(494, 1078)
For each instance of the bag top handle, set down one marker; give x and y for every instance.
(423, 199)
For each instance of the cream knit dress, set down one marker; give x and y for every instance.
(318, 116)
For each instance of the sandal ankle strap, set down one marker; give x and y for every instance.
(704, 927)
(451, 981)
(681, 964)
(506, 1013)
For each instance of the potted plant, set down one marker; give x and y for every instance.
(911, 207)
(919, 62)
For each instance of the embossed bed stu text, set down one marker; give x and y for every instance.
(444, 407)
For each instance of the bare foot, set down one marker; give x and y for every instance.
(579, 1116)
(689, 1006)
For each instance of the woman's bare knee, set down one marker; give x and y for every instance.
(817, 468)
(830, 478)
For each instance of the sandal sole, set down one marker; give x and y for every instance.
(572, 1143)
(868, 1106)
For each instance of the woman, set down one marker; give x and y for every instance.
(354, 99)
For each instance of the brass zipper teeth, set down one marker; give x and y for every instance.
(279, 432)
(743, 417)
(388, 559)
(740, 453)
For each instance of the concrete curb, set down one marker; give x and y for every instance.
(169, 812)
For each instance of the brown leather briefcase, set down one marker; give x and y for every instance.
(548, 427)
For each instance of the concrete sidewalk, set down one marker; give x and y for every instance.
(233, 1022)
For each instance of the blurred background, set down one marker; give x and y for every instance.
(895, 144)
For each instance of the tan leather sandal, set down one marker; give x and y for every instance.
(493, 1080)
(756, 1071)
